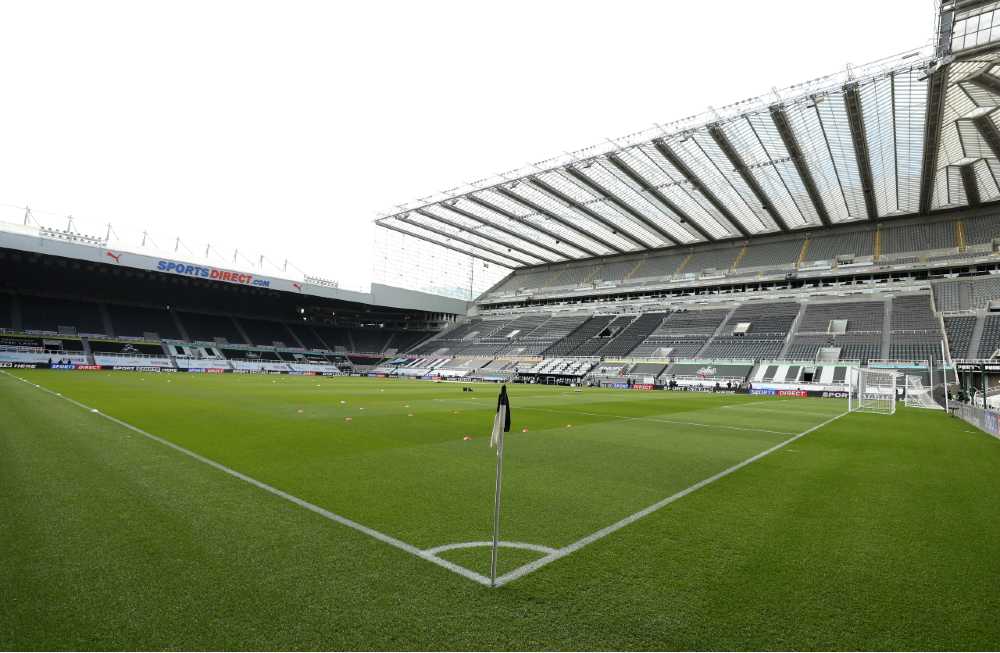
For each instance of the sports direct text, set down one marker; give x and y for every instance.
(211, 273)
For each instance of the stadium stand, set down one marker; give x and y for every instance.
(916, 333)
(769, 324)
(941, 234)
(660, 266)
(405, 340)
(632, 335)
(946, 296)
(990, 340)
(205, 328)
(982, 230)
(616, 270)
(573, 276)
(826, 248)
(134, 321)
(540, 279)
(982, 291)
(783, 252)
(685, 331)
(589, 329)
(48, 314)
(6, 315)
(720, 259)
(905, 260)
(911, 238)
(602, 338)
(959, 334)
(513, 283)
(368, 341)
(333, 336)
(306, 336)
(861, 339)
(262, 333)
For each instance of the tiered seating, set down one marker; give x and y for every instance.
(47, 314)
(369, 341)
(540, 279)
(616, 270)
(685, 331)
(6, 319)
(990, 341)
(573, 276)
(982, 291)
(905, 260)
(561, 367)
(587, 330)
(950, 257)
(814, 330)
(134, 321)
(804, 347)
(783, 252)
(660, 266)
(592, 345)
(204, 327)
(720, 259)
(333, 336)
(513, 283)
(982, 230)
(911, 238)
(555, 328)
(959, 334)
(825, 248)
(481, 350)
(860, 348)
(942, 234)
(769, 324)
(946, 296)
(306, 335)
(262, 333)
(632, 335)
(923, 340)
(405, 340)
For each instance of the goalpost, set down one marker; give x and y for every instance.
(872, 392)
(917, 396)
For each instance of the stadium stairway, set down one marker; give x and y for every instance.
(109, 330)
(792, 331)
(886, 331)
(977, 336)
(718, 331)
(243, 334)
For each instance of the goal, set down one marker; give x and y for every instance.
(917, 396)
(872, 392)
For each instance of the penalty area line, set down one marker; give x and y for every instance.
(579, 544)
(399, 544)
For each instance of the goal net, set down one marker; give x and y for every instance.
(872, 392)
(917, 396)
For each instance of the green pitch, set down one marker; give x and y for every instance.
(867, 531)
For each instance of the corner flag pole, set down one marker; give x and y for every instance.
(496, 512)
(501, 424)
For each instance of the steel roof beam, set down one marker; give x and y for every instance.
(937, 84)
(451, 247)
(660, 197)
(792, 145)
(463, 228)
(971, 189)
(601, 191)
(502, 229)
(537, 227)
(855, 119)
(989, 131)
(580, 208)
(984, 80)
(470, 243)
(682, 168)
(552, 216)
(727, 148)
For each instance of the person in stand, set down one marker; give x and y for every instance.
(750, 386)
(718, 385)
(729, 385)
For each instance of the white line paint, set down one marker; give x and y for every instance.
(552, 554)
(641, 419)
(786, 412)
(579, 544)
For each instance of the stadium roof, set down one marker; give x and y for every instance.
(908, 135)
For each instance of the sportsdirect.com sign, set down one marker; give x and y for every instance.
(211, 273)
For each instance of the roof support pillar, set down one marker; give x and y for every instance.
(852, 99)
(937, 84)
(727, 148)
(792, 145)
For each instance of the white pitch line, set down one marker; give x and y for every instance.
(641, 419)
(429, 553)
(579, 544)
(786, 412)
(399, 544)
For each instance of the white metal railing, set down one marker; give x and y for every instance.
(120, 354)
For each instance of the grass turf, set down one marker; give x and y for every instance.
(870, 532)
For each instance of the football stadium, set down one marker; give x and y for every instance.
(751, 362)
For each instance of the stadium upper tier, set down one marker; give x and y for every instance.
(908, 135)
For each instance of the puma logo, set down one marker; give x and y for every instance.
(298, 286)
(115, 257)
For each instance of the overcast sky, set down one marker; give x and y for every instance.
(281, 129)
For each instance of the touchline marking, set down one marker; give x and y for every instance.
(787, 412)
(641, 419)
(429, 554)
(579, 544)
